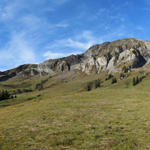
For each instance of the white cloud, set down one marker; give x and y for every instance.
(34, 24)
(22, 48)
(53, 55)
(15, 9)
(86, 35)
(17, 51)
(80, 42)
(76, 44)
(31, 32)
(10, 9)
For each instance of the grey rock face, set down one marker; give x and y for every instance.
(60, 65)
(132, 53)
(109, 56)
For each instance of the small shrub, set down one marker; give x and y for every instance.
(39, 86)
(114, 80)
(19, 91)
(27, 90)
(5, 95)
(109, 77)
(97, 83)
(122, 76)
(134, 81)
(89, 86)
(126, 69)
(137, 80)
(93, 84)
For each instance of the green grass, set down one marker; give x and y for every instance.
(114, 117)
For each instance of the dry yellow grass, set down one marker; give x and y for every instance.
(114, 117)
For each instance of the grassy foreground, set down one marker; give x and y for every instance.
(110, 118)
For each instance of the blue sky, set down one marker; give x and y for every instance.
(32, 31)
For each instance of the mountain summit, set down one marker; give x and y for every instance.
(117, 56)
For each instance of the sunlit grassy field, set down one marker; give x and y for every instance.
(65, 116)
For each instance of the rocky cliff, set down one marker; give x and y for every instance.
(117, 56)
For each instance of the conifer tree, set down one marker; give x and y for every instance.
(134, 81)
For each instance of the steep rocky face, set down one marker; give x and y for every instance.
(60, 65)
(114, 56)
(117, 56)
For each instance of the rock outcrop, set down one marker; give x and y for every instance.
(114, 56)
(117, 56)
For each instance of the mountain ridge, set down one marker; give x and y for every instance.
(116, 56)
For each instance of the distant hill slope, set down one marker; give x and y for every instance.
(117, 56)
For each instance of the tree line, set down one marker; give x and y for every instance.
(93, 84)
(137, 80)
(4, 95)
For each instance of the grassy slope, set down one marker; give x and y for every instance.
(66, 117)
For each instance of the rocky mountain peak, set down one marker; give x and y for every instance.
(113, 56)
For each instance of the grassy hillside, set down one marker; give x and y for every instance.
(65, 116)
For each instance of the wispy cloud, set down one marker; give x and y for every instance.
(80, 42)
(53, 55)
(77, 44)
(26, 31)
(17, 8)
(17, 51)
(10, 9)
